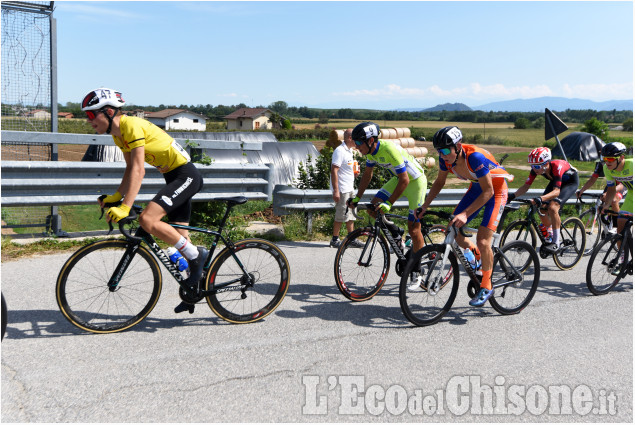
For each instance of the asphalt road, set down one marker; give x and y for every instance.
(568, 357)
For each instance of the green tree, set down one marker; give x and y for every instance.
(522, 123)
(280, 107)
(628, 125)
(597, 127)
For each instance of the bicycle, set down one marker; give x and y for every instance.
(596, 225)
(572, 236)
(431, 278)
(611, 260)
(112, 285)
(362, 261)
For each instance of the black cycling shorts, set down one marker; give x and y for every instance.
(566, 190)
(176, 197)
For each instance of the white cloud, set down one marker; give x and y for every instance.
(478, 92)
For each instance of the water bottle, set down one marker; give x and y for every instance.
(545, 232)
(469, 256)
(408, 241)
(176, 257)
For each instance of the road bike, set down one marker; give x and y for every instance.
(112, 285)
(572, 236)
(612, 259)
(431, 278)
(597, 226)
(362, 261)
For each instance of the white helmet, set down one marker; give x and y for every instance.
(102, 97)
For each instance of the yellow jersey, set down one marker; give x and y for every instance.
(161, 150)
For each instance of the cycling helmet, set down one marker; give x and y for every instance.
(539, 156)
(99, 99)
(446, 137)
(102, 97)
(613, 149)
(364, 131)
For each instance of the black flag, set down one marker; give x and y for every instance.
(553, 125)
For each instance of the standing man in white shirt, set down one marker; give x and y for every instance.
(344, 167)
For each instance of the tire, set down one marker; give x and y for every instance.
(246, 299)
(573, 237)
(520, 230)
(593, 230)
(514, 297)
(602, 263)
(421, 306)
(82, 289)
(358, 282)
(4, 317)
(436, 234)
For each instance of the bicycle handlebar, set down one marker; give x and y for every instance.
(133, 215)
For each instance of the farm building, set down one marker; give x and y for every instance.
(246, 119)
(177, 119)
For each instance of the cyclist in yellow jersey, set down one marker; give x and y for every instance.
(141, 141)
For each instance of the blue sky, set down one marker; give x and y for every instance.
(364, 54)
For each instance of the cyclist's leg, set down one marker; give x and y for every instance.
(546, 219)
(415, 192)
(626, 207)
(491, 217)
(566, 191)
(472, 193)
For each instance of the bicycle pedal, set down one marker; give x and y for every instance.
(184, 307)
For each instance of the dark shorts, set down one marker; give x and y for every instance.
(176, 197)
(566, 190)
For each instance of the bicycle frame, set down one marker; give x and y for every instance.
(626, 246)
(141, 235)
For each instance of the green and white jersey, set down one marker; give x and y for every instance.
(625, 176)
(395, 159)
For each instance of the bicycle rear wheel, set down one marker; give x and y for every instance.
(428, 288)
(83, 294)
(511, 297)
(603, 270)
(573, 239)
(4, 317)
(593, 227)
(519, 230)
(436, 234)
(247, 298)
(359, 276)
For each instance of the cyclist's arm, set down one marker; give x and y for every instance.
(522, 190)
(610, 194)
(587, 185)
(365, 181)
(551, 195)
(133, 176)
(435, 188)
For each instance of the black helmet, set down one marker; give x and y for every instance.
(446, 137)
(364, 131)
(613, 149)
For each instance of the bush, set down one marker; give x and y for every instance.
(628, 125)
(597, 127)
(522, 123)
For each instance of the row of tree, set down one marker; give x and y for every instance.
(296, 114)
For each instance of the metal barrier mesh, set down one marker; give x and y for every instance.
(26, 92)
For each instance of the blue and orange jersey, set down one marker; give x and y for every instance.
(479, 163)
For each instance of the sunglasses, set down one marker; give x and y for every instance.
(610, 158)
(358, 142)
(538, 166)
(444, 151)
(92, 114)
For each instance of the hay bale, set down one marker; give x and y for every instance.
(406, 132)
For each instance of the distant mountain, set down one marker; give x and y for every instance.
(555, 104)
(443, 107)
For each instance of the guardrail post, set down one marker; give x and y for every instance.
(309, 222)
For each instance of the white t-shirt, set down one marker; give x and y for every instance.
(343, 157)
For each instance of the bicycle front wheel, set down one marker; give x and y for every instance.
(573, 240)
(515, 277)
(85, 298)
(604, 269)
(593, 227)
(520, 230)
(436, 234)
(252, 292)
(362, 264)
(428, 287)
(4, 317)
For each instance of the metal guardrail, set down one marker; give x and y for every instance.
(287, 200)
(33, 183)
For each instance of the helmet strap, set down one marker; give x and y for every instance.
(110, 119)
(458, 152)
